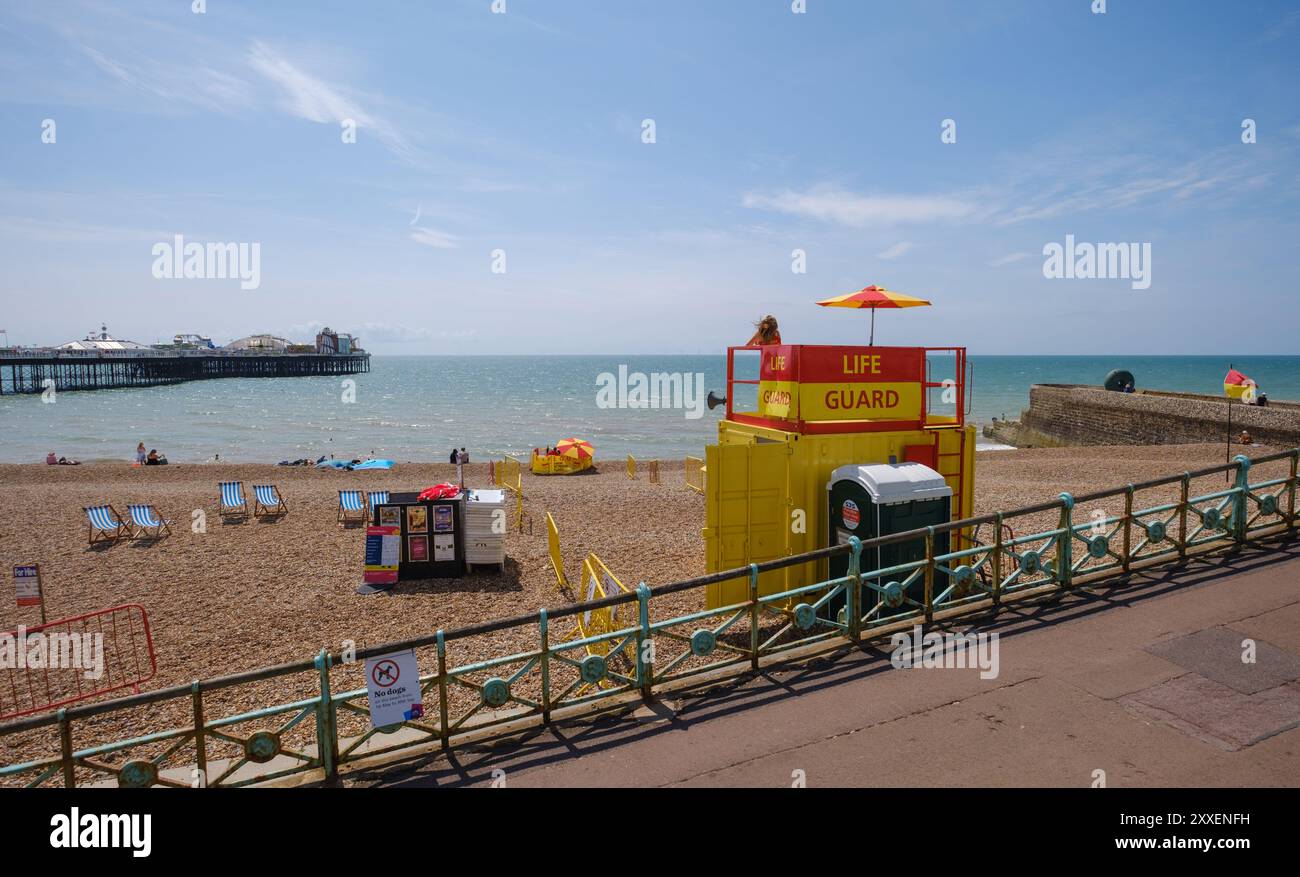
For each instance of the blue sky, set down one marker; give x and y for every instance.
(774, 131)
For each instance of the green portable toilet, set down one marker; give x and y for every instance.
(880, 499)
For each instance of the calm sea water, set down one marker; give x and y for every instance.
(417, 408)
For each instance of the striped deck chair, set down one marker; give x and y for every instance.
(233, 504)
(106, 525)
(352, 508)
(146, 519)
(267, 501)
(378, 497)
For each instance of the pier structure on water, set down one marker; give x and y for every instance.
(35, 370)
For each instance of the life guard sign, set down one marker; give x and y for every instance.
(805, 382)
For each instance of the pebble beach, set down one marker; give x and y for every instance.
(225, 598)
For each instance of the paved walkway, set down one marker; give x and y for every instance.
(1145, 683)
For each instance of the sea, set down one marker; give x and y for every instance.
(417, 408)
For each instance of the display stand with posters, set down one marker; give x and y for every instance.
(431, 534)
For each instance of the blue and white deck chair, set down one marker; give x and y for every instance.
(147, 521)
(352, 508)
(267, 501)
(232, 500)
(378, 497)
(106, 525)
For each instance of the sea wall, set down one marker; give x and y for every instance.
(1078, 415)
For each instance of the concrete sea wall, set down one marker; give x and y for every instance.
(1060, 414)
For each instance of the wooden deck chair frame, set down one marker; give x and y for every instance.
(232, 511)
(261, 510)
(142, 531)
(352, 516)
(122, 531)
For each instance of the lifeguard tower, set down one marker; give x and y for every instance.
(797, 413)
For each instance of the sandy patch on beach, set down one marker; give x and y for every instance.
(243, 596)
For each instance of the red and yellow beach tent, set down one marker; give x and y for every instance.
(1236, 385)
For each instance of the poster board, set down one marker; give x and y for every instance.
(383, 555)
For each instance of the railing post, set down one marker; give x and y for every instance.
(645, 670)
(851, 601)
(65, 745)
(997, 559)
(327, 743)
(1184, 493)
(1065, 543)
(545, 633)
(753, 615)
(200, 734)
(1295, 467)
(444, 735)
(1128, 526)
(929, 574)
(1240, 500)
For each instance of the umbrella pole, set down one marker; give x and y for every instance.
(872, 342)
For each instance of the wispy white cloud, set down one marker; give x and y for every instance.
(1279, 30)
(439, 240)
(850, 208)
(387, 333)
(70, 231)
(895, 251)
(309, 97)
(380, 332)
(1009, 259)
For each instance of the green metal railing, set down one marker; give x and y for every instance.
(642, 655)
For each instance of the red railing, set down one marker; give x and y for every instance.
(91, 654)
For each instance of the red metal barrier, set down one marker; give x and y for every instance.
(91, 654)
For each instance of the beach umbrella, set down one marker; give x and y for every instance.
(873, 297)
(575, 449)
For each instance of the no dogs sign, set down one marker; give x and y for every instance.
(393, 688)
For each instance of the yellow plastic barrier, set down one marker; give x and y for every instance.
(598, 582)
(509, 475)
(631, 466)
(652, 471)
(553, 546)
(695, 474)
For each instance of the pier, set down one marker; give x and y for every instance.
(35, 371)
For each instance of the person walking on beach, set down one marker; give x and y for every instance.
(461, 459)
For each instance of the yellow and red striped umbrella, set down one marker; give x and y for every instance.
(575, 448)
(873, 297)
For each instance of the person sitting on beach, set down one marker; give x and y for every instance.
(766, 332)
(51, 460)
(155, 459)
